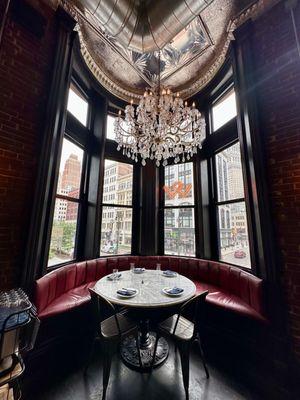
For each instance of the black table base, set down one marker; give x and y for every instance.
(130, 356)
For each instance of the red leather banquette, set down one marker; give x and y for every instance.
(229, 288)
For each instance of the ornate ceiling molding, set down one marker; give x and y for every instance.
(253, 11)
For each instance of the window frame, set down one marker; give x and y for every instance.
(163, 207)
(78, 201)
(77, 134)
(116, 205)
(217, 203)
(217, 141)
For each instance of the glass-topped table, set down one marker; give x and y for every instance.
(150, 298)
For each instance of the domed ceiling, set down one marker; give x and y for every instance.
(122, 41)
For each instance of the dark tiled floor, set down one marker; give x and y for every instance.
(164, 383)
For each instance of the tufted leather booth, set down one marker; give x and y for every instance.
(229, 288)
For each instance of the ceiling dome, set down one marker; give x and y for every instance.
(121, 39)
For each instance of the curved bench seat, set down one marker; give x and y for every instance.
(230, 288)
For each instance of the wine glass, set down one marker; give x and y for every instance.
(115, 274)
(132, 265)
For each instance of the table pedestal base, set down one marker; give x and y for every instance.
(130, 356)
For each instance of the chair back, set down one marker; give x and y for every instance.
(102, 309)
(193, 308)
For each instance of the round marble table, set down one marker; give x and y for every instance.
(149, 297)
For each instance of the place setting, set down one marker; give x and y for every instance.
(174, 291)
(127, 293)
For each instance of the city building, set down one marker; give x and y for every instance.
(116, 232)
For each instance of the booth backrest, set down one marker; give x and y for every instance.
(228, 278)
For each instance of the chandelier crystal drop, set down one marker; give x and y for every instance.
(162, 126)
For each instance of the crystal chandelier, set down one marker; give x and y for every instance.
(162, 126)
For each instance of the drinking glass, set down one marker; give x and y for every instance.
(132, 267)
(115, 274)
(158, 267)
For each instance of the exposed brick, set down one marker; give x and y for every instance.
(25, 77)
(278, 93)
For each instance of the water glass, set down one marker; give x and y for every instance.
(158, 267)
(132, 266)
(115, 274)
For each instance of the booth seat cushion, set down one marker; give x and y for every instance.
(68, 301)
(229, 302)
(230, 288)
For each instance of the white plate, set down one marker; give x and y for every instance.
(139, 270)
(170, 275)
(165, 291)
(128, 296)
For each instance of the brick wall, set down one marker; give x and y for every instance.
(25, 73)
(278, 89)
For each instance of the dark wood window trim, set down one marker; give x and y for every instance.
(34, 265)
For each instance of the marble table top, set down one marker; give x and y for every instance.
(149, 285)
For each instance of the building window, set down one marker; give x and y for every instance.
(77, 105)
(231, 208)
(179, 228)
(67, 204)
(224, 110)
(116, 229)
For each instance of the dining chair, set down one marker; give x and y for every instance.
(109, 331)
(184, 331)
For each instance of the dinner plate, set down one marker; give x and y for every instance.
(169, 274)
(128, 296)
(167, 290)
(139, 270)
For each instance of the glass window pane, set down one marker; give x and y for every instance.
(70, 169)
(179, 232)
(117, 188)
(229, 174)
(179, 185)
(110, 128)
(224, 110)
(233, 234)
(77, 105)
(116, 231)
(63, 233)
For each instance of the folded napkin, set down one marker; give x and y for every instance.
(126, 292)
(114, 276)
(174, 290)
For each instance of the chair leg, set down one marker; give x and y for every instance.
(155, 349)
(202, 356)
(184, 350)
(106, 370)
(138, 349)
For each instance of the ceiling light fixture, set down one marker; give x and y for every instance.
(162, 126)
